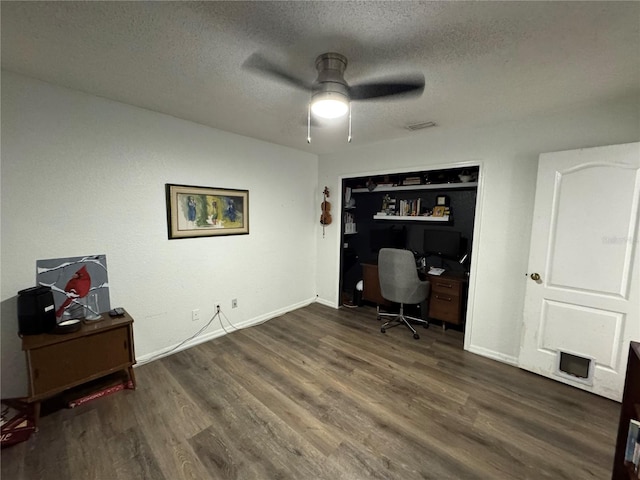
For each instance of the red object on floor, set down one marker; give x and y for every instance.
(17, 422)
(100, 393)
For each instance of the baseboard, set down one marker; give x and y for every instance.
(149, 357)
(500, 357)
(326, 303)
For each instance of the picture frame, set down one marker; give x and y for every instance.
(439, 211)
(442, 200)
(194, 211)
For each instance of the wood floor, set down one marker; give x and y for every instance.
(321, 394)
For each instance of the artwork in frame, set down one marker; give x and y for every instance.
(72, 280)
(439, 211)
(206, 211)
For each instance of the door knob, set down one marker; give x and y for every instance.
(535, 277)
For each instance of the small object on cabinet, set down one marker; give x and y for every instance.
(67, 326)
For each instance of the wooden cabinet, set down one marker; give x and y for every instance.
(447, 298)
(371, 291)
(58, 362)
(630, 409)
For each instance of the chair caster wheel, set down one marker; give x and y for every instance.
(383, 330)
(416, 336)
(426, 325)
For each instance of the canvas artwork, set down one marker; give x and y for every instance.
(72, 280)
(202, 211)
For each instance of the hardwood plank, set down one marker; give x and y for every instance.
(83, 439)
(133, 457)
(166, 416)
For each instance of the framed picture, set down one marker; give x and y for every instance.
(206, 211)
(73, 281)
(442, 200)
(439, 211)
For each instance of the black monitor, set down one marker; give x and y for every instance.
(444, 243)
(389, 237)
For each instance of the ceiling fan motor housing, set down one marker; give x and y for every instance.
(330, 81)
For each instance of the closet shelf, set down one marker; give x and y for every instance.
(412, 218)
(431, 186)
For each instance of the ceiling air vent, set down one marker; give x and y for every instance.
(419, 126)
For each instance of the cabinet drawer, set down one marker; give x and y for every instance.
(445, 307)
(445, 285)
(62, 365)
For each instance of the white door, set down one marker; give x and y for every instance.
(582, 303)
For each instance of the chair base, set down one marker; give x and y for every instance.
(401, 319)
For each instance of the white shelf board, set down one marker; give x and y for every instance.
(431, 186)
(412, 218)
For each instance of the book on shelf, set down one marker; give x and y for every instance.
(411, 181)
(410, 208)
(632, 452)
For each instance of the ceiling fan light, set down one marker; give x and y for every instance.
(329, 105)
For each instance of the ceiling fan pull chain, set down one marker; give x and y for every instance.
(349, 137)
(309, 124)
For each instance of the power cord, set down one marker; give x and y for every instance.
(221, 314)
(217, 314)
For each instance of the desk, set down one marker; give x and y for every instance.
(58, 362)
(447, 296)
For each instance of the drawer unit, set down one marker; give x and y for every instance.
(446, 300)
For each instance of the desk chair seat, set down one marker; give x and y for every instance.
(399, 283)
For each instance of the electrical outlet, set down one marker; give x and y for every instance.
(195, 315)
(234, 303)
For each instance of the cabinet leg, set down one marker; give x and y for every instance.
(36, 414)
(132, 377)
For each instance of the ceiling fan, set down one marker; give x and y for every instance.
(330, 93)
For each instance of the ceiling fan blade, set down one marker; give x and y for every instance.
(409, 86)
(258, 63)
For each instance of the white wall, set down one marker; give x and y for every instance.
(83, 175)
(508, 155)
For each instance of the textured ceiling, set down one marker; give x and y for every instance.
(484, 62)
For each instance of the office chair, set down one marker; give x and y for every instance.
(399, 282)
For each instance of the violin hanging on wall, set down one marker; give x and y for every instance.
(325, 206)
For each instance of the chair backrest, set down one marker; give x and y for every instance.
(398, 275)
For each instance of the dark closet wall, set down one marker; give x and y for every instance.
(357, 248)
